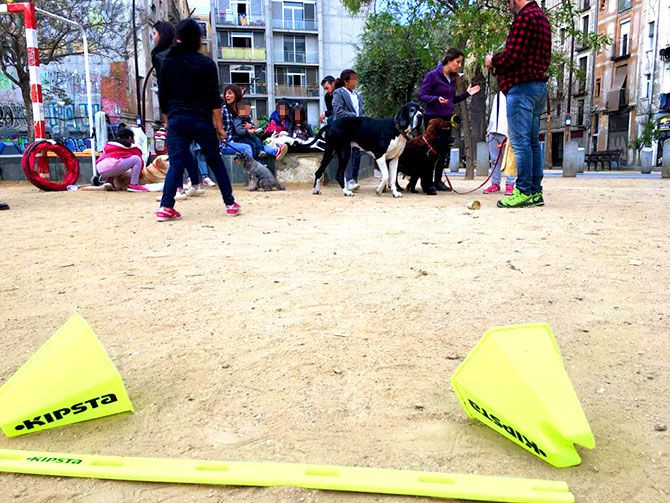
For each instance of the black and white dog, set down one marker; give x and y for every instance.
(385, 139)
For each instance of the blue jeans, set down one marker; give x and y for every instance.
(354, 166)
(183, 129)
(200, 159)
(496, 158)
(525, 103)
(232, 148)
(257, 145)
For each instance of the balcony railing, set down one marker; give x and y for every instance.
(255, 88)
(620, 51)
(295, 25)
(223, 19)
(295, 91)
(296, 57)
(242, 54)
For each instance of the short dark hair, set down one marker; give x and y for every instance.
(328, 78)
(243, 103)
(189, 34)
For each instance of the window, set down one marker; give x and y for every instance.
(625, 5)
(242, 40)
(585, 25)
(647, 85)
(580, 112)
(624, 38)
(652, 28)
(598, 88)
(562, 36)
(294, 48)
(582, 74)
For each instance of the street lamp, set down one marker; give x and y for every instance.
(568, 121)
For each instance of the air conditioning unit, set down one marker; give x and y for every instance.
(665, 53)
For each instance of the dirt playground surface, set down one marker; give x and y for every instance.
(325, 329)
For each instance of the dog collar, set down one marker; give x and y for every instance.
(430, 147)
(401, 131)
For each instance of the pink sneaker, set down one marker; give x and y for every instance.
(136, 187)
(493, 188)
(233, 210)
(509, 189)
(165, 214)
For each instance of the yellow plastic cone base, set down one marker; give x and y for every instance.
(514, 381)
(332, 478)
(68, 380)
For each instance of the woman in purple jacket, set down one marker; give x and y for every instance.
(438, 93)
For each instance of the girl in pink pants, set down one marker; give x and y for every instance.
(119, 157)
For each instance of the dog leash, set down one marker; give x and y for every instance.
(502, 146)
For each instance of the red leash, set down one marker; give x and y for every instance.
(502, 146)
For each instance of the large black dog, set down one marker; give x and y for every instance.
(385, 139)
(420, 155)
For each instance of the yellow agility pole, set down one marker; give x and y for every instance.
(332, 478)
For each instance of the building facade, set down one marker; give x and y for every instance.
(280, 49)
(653, 102)
(572, 104)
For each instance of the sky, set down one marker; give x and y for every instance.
(200, 6)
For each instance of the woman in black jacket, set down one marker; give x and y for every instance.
(189, 95)
(162, 36)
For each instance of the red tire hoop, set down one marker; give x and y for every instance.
(46, 176)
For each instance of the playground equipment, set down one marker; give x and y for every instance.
(36, 159)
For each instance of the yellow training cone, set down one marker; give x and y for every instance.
(68, 380)
(515, 382)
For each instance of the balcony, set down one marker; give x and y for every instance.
(255, 88)
(309, 57)
(240, 20)
(620, 52)
(294, 24)
(297, 91)
(242, 54)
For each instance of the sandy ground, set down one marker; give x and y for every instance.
(325, 329)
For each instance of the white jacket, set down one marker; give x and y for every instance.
(498, 119)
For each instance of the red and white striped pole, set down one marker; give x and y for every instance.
(30, 21)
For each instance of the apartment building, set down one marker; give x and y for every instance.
(281, 49)
(572, 105)
(653, 103)
(616, 75)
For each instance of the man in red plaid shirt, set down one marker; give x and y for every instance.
(522, 75)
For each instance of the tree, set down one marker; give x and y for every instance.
(394, 58)
(105, 22)
(650, 133)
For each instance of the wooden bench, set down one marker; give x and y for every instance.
(602, 157)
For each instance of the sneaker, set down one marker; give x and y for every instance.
(536, 199)
(233, 209)
(281, 152)
(509, 189)
(352, 185)
(187, 183)
(208, 181)
(517, 200)
(494, 187)
(136, 187)
(165, 214)
(195, 191)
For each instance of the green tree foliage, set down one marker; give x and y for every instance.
(393, 59)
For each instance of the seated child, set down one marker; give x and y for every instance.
(119, 157)
(245, 132)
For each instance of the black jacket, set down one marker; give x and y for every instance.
(328, 98)
(188, 82)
